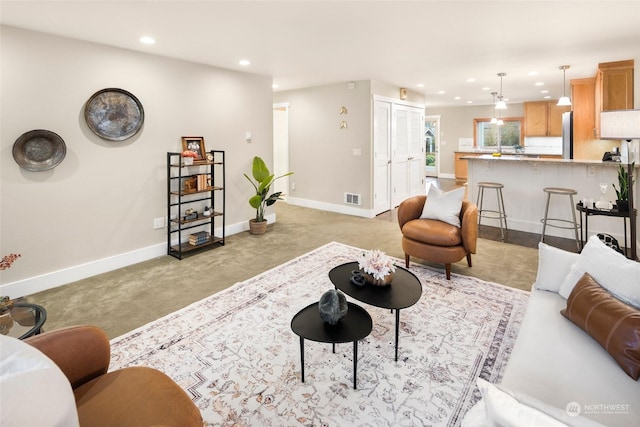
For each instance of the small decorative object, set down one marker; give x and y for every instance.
(39, 150)
(210, 157)
(190, 214)
(188, 157)
(114, 114)
(333, 306)
(357, 278)
(622, 193)
(195, 144)
(603, 203)
(377, 268)
(207, 211)
(7, 260)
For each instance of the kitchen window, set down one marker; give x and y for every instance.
(487, 135)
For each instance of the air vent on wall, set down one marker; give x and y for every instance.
(352, 199)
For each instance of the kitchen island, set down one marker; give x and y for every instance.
(524, 178)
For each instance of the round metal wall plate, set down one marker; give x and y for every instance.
(114, 114)
(39, 150)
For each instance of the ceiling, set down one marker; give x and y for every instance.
(440, 44)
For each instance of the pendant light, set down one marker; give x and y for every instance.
(501, 105)
(494, 120)
(564, 101)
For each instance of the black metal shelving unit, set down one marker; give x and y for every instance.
(194, 186)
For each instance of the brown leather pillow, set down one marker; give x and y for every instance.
(612, 323)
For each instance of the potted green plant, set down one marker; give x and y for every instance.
(622, 193)
(262, 181)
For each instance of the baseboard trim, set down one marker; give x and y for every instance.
(330, 207)
(32, 285)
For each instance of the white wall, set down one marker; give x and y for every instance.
(95, 210)
(320, 153)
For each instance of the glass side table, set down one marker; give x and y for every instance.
(23, 320)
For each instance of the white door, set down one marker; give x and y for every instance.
(381, 157)
(407, 153)
(400, 165)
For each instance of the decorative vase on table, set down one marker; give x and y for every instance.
(385, 281)
(377, 268)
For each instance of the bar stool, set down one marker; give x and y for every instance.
(500, 214)
(545, 221)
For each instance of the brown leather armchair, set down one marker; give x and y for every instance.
(434, 240)
(134, 396)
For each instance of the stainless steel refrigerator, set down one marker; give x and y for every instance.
(567, 135)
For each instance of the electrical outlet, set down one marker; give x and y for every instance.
(293, 186)
(536, 168)
(158, 223)
(591, 170)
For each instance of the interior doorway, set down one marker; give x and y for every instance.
(432, 145)
(281, 147)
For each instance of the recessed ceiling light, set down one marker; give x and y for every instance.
(533, 73)
(420, 85)
(544, 91)
(275, 86)
(441, 92)
(486, 88)
(469, 102)
(547, 97)
(244, 62)
(539, 84)
(457, 98)
(471, 79)
(147, 40)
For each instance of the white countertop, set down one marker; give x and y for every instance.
(526, 158)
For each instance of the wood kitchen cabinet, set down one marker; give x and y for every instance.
(613, 88)
(461, 167)
(543, 118)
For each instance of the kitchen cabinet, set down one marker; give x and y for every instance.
(543, 118)
(461, 166)
(584, 113)
(613, 88)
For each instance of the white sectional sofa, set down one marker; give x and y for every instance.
(558, 371)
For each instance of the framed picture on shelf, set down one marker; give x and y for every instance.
(195, 144)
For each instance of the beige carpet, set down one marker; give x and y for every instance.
(122, 300)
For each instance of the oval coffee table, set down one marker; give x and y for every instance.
(354, 326)
(403, 292)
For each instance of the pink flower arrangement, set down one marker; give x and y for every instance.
(7, 260)
(189, 153)
(376, 263)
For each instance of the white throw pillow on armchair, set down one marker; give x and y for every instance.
(443, 206)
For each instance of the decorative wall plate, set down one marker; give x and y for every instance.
(39, 150)
(114, 114)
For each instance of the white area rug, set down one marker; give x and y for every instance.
(236, 355)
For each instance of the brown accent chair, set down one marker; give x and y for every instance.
(437, 241)
(133, 396)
